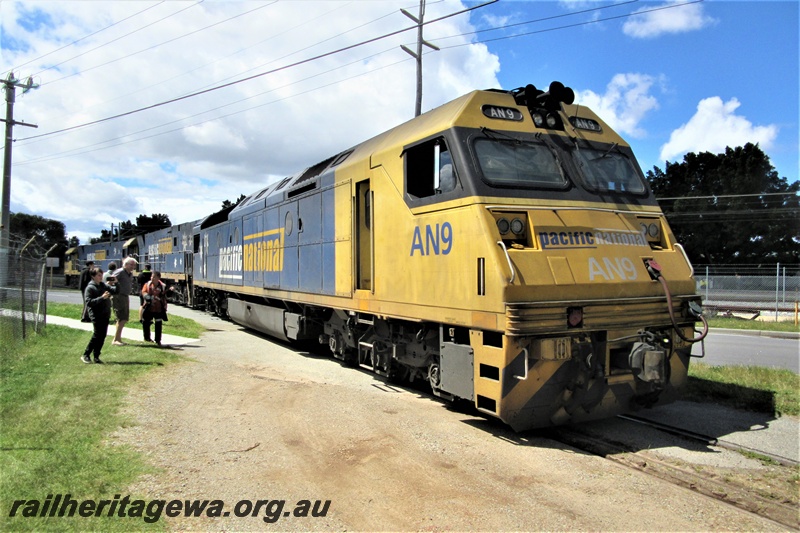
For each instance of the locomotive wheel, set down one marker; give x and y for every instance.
(435, 380)
(340, 351)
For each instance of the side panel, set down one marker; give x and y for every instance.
(342, 239)
(309, 236)
(328, 242)
(289, 274)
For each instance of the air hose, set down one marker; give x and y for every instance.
(655, 272)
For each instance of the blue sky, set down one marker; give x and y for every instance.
(670, 76)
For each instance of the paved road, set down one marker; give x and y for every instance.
(727, 347)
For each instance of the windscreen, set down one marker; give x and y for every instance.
(518, 164)
(608, 170)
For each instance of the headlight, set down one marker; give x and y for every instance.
(517, 226)
(503, 225)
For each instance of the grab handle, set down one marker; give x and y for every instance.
(508, 258)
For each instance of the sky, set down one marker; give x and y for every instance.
(174, 106)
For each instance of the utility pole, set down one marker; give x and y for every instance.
(11, 85)
(418, 54)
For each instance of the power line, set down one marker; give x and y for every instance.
(161, 43)
(57, 156)
(83, 150)
(255, 76)
(151, 85)
(84, 37)
(585, 23)
(714, 197)
(441, 18)
(506, 26)
(109, 42)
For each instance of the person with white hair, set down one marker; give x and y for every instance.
(121, 300)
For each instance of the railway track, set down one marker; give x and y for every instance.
(705, 481)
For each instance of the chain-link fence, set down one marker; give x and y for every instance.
(757, 289)
(23, 295)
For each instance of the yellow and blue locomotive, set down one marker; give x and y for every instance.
(503, 247)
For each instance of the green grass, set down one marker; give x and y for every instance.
(56, 415)
(176, 325)
(745, 387)
(738, 323)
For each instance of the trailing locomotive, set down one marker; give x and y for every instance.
(503, 247)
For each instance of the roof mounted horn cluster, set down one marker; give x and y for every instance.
(544, 105)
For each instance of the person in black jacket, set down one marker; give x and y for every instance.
(98, 306)
(86, 277)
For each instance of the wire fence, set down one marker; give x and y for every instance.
(23, 296)
(757, 289)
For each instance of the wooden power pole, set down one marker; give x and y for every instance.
(418, 54)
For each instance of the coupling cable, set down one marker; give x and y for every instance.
(655, 272)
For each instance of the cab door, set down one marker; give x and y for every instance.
(365, 264)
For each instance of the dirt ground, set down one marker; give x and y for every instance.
(248, 419)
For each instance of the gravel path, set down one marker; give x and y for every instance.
(249, 419)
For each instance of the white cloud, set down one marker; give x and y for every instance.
(625, 103)
(272, 125)
(714, 127)
(671, 19)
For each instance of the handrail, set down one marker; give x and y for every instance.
(680, 248)
(508, 258)
(525, 375)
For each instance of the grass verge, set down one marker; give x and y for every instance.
(176, 325)
(55, 416)
(751, 388)
(738, 323)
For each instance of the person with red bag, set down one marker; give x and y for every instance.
(154, 294)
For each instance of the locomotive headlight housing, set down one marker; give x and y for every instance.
(513, 227)
(538, 120)
(650, 229)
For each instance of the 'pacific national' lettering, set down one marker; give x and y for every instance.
(264, 251)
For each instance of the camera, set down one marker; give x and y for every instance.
(112, 278)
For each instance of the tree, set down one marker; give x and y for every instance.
(154, 222)
(48, 233)
(126, 230)
(731, 207)
(227, 203)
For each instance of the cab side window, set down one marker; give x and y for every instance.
(429, 169)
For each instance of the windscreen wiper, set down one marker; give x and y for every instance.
(493, 134)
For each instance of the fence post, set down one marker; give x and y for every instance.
(21, 292)
(784, 286)
(777, 288)
(41, 302)
(708, 282)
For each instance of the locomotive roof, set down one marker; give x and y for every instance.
(293, 185)
(466, 110)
